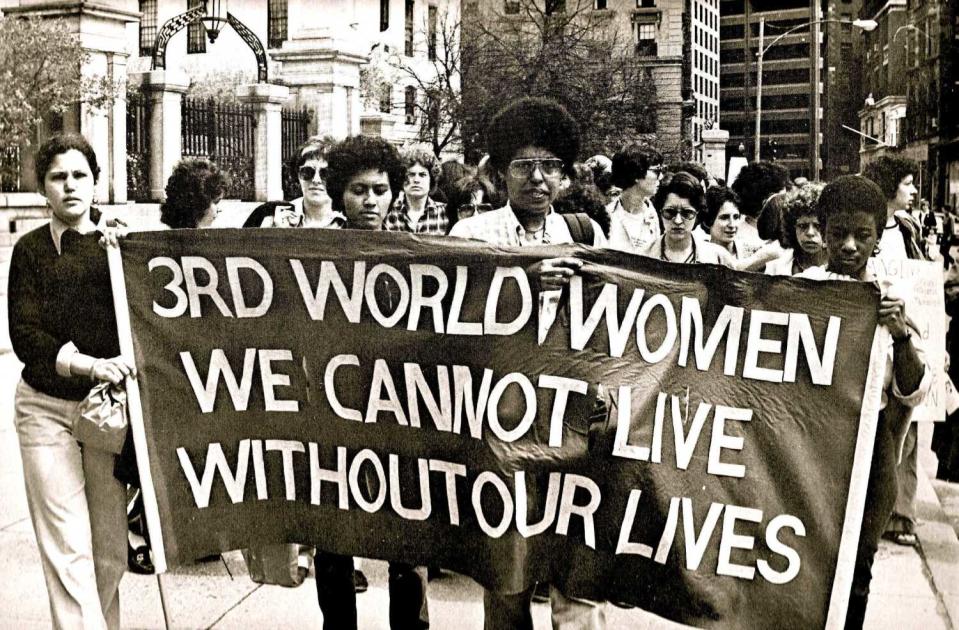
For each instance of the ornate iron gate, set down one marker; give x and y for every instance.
(224, 133)
(138, 147)
(295, 131)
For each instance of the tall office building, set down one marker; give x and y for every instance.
(808, 92)
(704, 68)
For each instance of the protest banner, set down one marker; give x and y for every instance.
(921, 282)
(389, 396)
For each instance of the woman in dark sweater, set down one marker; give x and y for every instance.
(63, 329)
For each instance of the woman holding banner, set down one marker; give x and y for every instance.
(63, 329)
(852, 211)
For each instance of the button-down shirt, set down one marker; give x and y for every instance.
(434, 219)
(502, 228)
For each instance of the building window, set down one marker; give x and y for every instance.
(196, 32)
(386, 98)
(432, 25)
(645, 4)
(384, 15)
(408, 42)
(409, 105)
(599, 5)
(555, 6)
(276, 21)
(645, 39)
(511, 7)
(148, 26)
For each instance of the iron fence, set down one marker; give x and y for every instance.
(138, 147)
(295, 131)
(9, 169)
(224, 133)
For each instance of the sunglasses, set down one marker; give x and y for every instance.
(688, 214)
(309, 172)
(469, 209)
(550, 167)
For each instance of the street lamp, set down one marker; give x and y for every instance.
(866, 25)
(215, 18)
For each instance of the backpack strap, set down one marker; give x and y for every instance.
(580, 227)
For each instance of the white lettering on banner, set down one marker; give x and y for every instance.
(198, 277)
(685, 440)
(219, 366)
(569, 495)
(458, 400)
(656, 314)
(698, 538)
(775, 341)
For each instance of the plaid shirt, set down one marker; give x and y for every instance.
(433, 220)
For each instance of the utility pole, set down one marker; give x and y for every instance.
(816, 93)
(759, 89)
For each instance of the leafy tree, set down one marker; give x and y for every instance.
(561, 49)
(40, 71)
(437, 108)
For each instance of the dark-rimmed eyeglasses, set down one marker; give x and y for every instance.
(469, 209)
(688, 214)
(309, 172)
(523, 168)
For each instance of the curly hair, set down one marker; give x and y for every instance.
(756, 182)
(695, 169)
(631, 163)
(716, 196)
(356, 154)
(423, 155)
(796, 203)
(888, 172)
(685, 186)
(194, 184)
(532, 122)
(585, 198)
(848, 194)
(57, 145)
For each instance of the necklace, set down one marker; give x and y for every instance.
(689, 259)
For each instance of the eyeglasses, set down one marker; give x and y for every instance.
(469, 209)
(523, 168)
(656, 170)
(309, 172)
(688, 214)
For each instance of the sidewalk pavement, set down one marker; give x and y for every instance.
(912, 588)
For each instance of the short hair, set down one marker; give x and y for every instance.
(585, 198)
(695, 169)
(796, 203)
(451, 171)
(356, 154)
(631, 163)
(848, 194)
(888, 171)
(191, 188)
(314, 148)
(532, 122)
(58, 144)
(756, 182)
(424, 156)
(685, 186)
(716, 196)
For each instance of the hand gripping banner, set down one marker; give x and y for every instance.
(685, 438)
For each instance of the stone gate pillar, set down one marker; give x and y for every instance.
(714, 151)
(324, 73)
(165, 90)
(267, 100)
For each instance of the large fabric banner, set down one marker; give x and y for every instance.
(685, 438)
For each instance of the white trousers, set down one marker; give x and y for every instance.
(78, 509)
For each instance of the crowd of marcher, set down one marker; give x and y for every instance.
(530, 191)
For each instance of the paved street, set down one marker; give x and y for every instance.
(911, 589)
